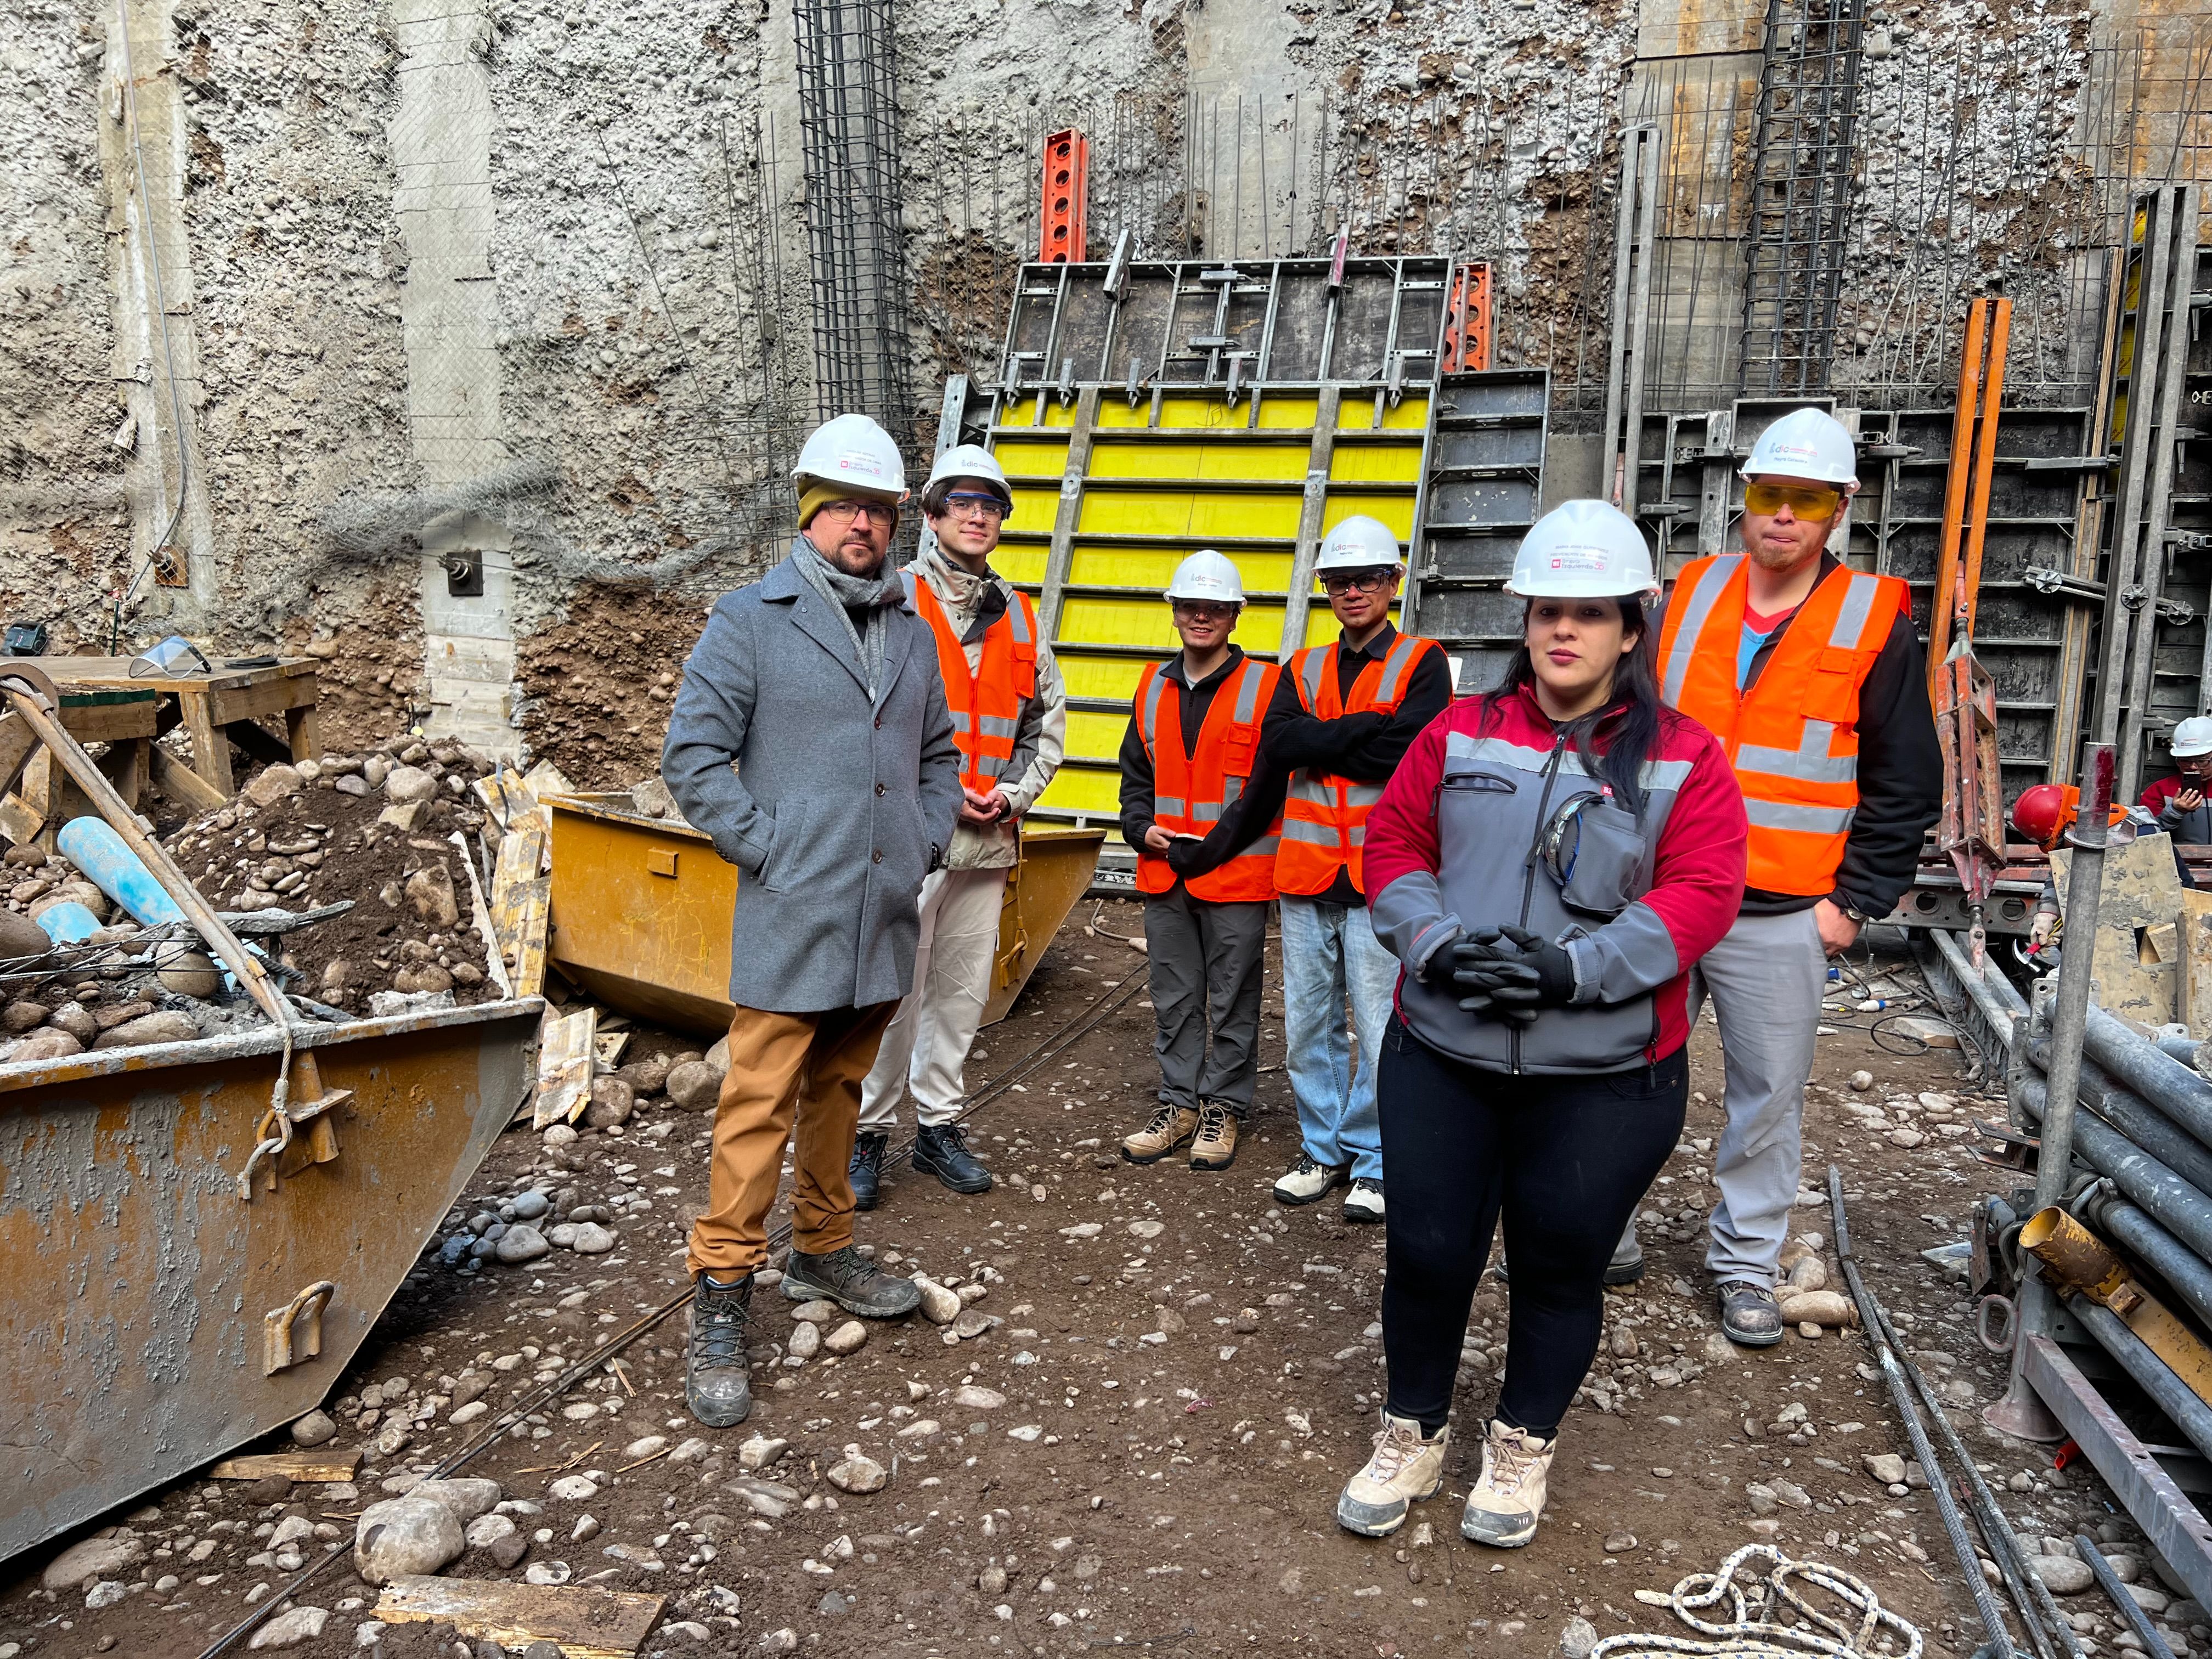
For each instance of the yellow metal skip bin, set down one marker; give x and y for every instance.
(641, 910)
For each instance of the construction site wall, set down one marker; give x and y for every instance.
(307, 305)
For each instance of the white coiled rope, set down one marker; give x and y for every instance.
(1752, 1634)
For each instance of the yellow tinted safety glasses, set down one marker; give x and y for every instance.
(1767, 499)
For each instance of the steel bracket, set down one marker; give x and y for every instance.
(2044, 580)
(2179, 612)
(295, 1331)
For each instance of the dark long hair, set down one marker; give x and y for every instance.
(1629, 722)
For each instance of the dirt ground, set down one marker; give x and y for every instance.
(1189, 1373)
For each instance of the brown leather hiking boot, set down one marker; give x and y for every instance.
(1170, 1127)
(1215, 1145)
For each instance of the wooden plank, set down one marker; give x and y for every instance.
(587, 1621)
(324, 1463)
(210, 743)
(608, 1046)
(521, 893)
(564, 1069)
(2137, 977)
(111, 722)
(17, 740)
(19, 825)
(180, 781)
(264, 697)
(2196, 1006)
(304, 727)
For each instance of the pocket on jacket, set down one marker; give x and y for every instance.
(787, 851)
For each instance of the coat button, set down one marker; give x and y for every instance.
(878, 858)
(879, 722)
(880, 789)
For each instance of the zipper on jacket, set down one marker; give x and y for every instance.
(1529, 875)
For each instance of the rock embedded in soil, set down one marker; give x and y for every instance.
(165, 1025)
(2061, 1575)
(805, 1341)
(592, 1239)
(695, 1086)
(856, 1473)
(49, 1044)
(270, 786)
(313, 1430)
(190, 974)
(466, 1497)
(91, 1560)
(1828, 1308)
(296, 1626)
(760, 1451)
(409, 783)
(521, 1244)
(21, 937)
(404, 1535)
(848, 1338)
(612, 1103)
(19, 1017)
(939, 1306)
(1888, 1468)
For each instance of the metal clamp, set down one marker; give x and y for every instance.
(285, 1338)
(2044, 580)
(2001, 1341)
(2179, 612)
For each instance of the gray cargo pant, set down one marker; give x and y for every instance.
(1766, 978)
(1206, 961)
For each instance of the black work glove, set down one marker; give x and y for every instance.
(1182, 855)
(1509, 973)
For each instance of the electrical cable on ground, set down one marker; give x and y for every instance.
(1749, 1637)
(1085, 1020)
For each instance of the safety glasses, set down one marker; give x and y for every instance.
(1768, 499)
(844, 512)
(1360, 581)
(966, 506)
(1198, 611)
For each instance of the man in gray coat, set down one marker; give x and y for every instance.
(812, 740)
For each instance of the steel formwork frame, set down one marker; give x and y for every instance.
(849, 123)
(1800, 193)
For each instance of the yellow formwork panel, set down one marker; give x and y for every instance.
(1078, 788)
(1022, 566)
(1095, 736)
(1284, 412)
(1143, 623)
(1376, 463)
(1109, 566)
(1192, 513)
(1272, 462)
(1031, 457)
(1358, 414)
(1022, 411)
(1035, 510)
(1394, 511)
(1321, 627)
(1205, 413)
(1100, 677)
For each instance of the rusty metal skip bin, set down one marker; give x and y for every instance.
(641, 909)
(154, 1317)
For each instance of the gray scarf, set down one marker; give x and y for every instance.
(867, 596)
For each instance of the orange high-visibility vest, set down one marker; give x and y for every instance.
(987, 702)
(1325, 818)
(1191, 791)
(1793, 737)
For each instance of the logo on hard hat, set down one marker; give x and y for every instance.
(854, 461)
(1800, 451)
(1579, 561)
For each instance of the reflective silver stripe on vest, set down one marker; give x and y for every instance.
(1501, 751)
(1851, 617)
(1265, 847)
(1303, 788)
(1810, 762)
(1317, 835)
(1808, 820)
(1362, 794)
(1310, 675)
(1230, 788)
(1208, 811)
(1248, 691)
(1018, 613)
(1674, 670)
(907, 580)
(1395, 663)
(997, 725)
(1148, 712)
(1167, 806)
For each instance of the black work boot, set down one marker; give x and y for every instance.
(943, 1151)
(852, 1282)
(867, 1171)
(718, 1383)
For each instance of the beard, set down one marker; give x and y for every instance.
(1780, 561)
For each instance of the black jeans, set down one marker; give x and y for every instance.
(1205, 962)
(1565, 1159)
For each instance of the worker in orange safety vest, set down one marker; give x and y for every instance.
(1190, 750)
(1009, 717)
(1811, 676)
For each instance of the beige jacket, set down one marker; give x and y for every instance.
(1041, 739)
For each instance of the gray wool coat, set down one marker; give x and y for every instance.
(833, 812)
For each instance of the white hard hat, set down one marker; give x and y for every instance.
(2192, 738)
(968, 461)
(1207, 574)
(852, 449)
(1357, 543)
(1805, 444)
(1583, 551)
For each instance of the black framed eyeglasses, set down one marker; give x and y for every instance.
(1362, 582)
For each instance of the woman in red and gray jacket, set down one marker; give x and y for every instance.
(1546, 864)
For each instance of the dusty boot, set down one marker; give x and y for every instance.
(1403, 1469)
(943, 1151)
(718, 1384)
(1169, 1127)
(1625, 1267)
(1309, 1182)
(1364, 1201)
(1506, 1503)
(1749, 1314)
(1215, 1146)
(851, 1280)
(866, 1174)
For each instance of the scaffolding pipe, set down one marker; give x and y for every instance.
(2178, 1206)
(2168, 1083)
(2168, 1392)
(2135, 1231)
(2139, 1120)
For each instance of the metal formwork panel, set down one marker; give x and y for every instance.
(1148, 410)
(1485, 487)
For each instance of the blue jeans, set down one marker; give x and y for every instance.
(1330, 957)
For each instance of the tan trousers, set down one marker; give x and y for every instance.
(782, 1066)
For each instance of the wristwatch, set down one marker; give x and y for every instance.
(1852, 911)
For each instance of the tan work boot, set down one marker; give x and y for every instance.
(1506, 1503)
(1215, 1148)
(1404, 1467)
(1170, 1128)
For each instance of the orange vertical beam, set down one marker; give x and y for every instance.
(1065, 234)
(1966, 486)
(1467, 318)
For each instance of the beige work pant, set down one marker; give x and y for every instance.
(784, 1068)
(925, 1048)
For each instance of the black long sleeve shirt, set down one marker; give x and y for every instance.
(1192, 700)
(1900, 777)
(1364, 747)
